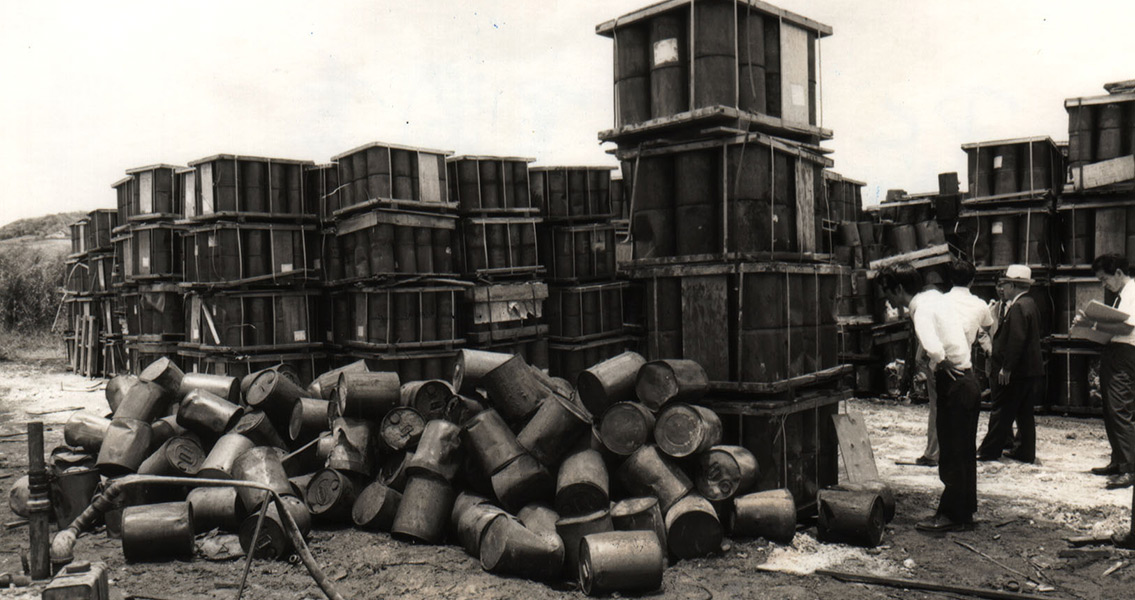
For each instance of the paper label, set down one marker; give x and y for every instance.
(330, 337)
(799, 95)
(997, 161)
(317, 263)
(285, 267)
(665, 51)
(196, 334)
(299, 336)
(145, 262)
(997, 228)
(361, 333)
(212, 240)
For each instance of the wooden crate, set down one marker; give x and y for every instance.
(567, 359)
(757, 328)
(302, 367)
(392, 176)
(1013, 171)
(100, 223)
(573, 193)
(404, 317)
(79, 237)
(242, 253)
(102, 272)
(737, 197)
(1005, 236)
(1073, 381)
(411, 366)
(843, 198)
(254, 321)
(578, 253)
(490, 185)
(533, 348)
(386, 243)
(152, 251)
(500, 311)
(794, 442)
(578, 313)
(230, 186)
(151, 193)
(321, 185)
(495, 247)
(1094, 224)
(141, 354)
(154, 313)
(1072, 293)
(1099, 129)
(77, 276)
(689, 65)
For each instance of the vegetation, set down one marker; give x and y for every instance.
(30, 281)
(46, 226)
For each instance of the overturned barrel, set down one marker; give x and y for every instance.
(401, 428)
(572, 529)
(368, 395)
(642, 513)
(260, 464)
(331, 495)
(556, 426)
(215, 507)
(256, 426)
(125, 447)
(154, 532)
(471, 366)
(625, 427)
(610, 381)
(221, 386)
(726, 471)
(620, 561)
(309, 419)
(85, 430)
(177, 456)
(274, 541)
(692, 528)
(164, 373)
(206, 413)
(770, 514)
(647, 473)
(522, 481)
(850, 517)
(683, 430)
(219, 462)
(472, 523)
(424, 509)
(509, 548)
(671, 380)
(886, 494)
(428, 397)
(582, 484)
(375, 507)
(438, 450)
(516, 391)
(491, 440)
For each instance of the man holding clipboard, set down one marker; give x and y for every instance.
(1115, 328)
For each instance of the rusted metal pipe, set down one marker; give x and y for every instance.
(39, 505)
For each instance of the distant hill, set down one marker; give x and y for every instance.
(48, 226)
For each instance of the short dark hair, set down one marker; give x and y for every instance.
(1110, 263)
(961, 272)
(900, 275)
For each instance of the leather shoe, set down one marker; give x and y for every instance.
(942, 524)
(1020, 457)
(1110, 469)
(986, 458)
(925, 461)
(1122, 480)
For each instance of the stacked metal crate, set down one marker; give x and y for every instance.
(1095, 216)
(148, 251)
(389, 247)
(717, 130)
(91, 334)
(251, 267)
(578, 249)
(502, 308)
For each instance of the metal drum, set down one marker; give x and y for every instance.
(491, 440)
(1110, 231)
(164, 373)
(220, 385)
(1109, 132)
(206, 413)
(261, 464)
(1006, 172)
(145, 401)
(368, 395)
(117, 388)
(331, 495)
(309, 419)
(552, 431)
(219, 462)
(322, 386)
(125, 447)
(850, 517)
(770, 514)
(626, 427)
(572, 529)
(215, 507)
(401, 428)
(692, 528)
(725, 472)
(274, 542)
(375, 507)
(509, 548)
(429, 397)
(632, 75)
(424, 509)
(85, 430)
(646, 473)
(751, 60)
(178, 457)
(274, 393)
(663, 381)
(438, 450)
(620, 561)
(683, 430)
(582, 484)
(633, 514)
(522, 481)
(610, 381)
(668, 77)
(472, 523)
(886, 494)
(256, 426)
(1003, 239)
(155, 532)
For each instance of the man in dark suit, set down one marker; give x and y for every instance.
(1016, 373)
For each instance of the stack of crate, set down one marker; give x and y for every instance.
(251, 267)
(716, 124)
(503, 306)
(1096, 216)
(148, 252)
(91, 335)
(389, 247)
(578, 248)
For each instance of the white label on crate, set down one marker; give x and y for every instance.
(997, 228)
(299, 336)
(317, 263)
(330, 336)
(284, 268)
(599, 245)
(212, 240)
(665, 51)
(145, 262)
(997, 161)
(196, 334)
(361, 332)
(799, 95)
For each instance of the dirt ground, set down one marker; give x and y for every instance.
(1025, 514)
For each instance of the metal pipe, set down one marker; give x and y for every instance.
(39, 505)
(63, 544)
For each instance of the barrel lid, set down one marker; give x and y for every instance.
(401, 427)
(625, 427)
(325, 489)
(631, 506)
(392, 147)
(261, 387)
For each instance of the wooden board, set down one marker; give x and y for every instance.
(794, 73)
(1104, 173)
(705, 326)
(805, 208)
(855, 447)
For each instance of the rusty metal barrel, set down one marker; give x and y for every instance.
(850, 517)
(401, 428)
(725, 472)
(471, 524)
(219, 385)
(1109, 132)
(668, 71)
(582, 484)
(647, 473)
(178, 456)
(309, 418)
(428, 397)
(322, 386)
(610, 381)
(522, 481)
(620, 561)
(770, 514)
(572, 529)
(886, 494)
(331, 495)
(125, 447)
(692, 528)
(215, 507)
(74, 480)
(376, 506)
(274, 542)
(438, 450)
(556, 426)
(274, 393)
(219, 462)
(491, 440)
(632, 75)
(261, 464)
(256, 426)
(85, 430)
(117, 388)
(509, 548)
(683, 430)
(164, 373)
(642, 513)
(460, 408)
(515, 391)
(1006, 173)
(540, 518)
(145, 401)
(471, 366)
(353, 446)
(156, 532)
(207, 414)
(368, 395)
(424, 509)
(671, 380)
(626, 427)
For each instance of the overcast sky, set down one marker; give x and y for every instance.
(94, 88)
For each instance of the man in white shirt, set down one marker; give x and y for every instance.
(943, 338)
(1117, 371)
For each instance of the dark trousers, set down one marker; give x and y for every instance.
(958, 403)
(1013, 402)
(1117, 384)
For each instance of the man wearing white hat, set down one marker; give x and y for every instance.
(1016, 374)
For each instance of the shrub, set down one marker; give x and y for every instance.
(29, 288)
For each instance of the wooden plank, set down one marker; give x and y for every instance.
(607, 28)
(429, 180)
(1103, 173)
(855, 447)
(705, 325)
(910, 256)
(793, 73)
(805, 208)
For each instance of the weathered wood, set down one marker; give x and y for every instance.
(916, 584)
(855, 447)
(704, 301)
